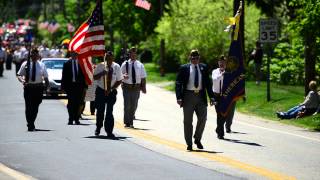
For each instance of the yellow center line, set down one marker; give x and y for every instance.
(13, 173)
(225, 160)
(219, 158)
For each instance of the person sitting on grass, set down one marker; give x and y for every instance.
(308, 107)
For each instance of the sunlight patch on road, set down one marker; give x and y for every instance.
(14, 174)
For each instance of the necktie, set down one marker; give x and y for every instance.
(109, 78)
(196, 77)
(75, 71)
(133, 74)
(33, 76)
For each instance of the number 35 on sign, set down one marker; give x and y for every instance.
(268, 30)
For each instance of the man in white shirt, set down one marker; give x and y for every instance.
(108, 76)
(44, 51)
(31, 75)
(217, 85)
(134, 81)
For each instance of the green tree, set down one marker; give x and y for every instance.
(307, 25)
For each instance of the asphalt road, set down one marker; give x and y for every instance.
(59, 151)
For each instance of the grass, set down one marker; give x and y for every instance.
(282, 98)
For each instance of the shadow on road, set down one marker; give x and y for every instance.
(117, 138)
(141, 120)
(205, 151)
(242, 142)
(142, 129)
(236, 132)
(81, 124)
(54, 97)
(43, 130)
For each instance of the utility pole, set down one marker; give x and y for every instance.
(162, 46)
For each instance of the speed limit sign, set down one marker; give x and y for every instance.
(268, 30)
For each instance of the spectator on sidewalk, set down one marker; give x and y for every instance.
(134, 81)
(108, 76)
(31, 75)
(192, 86)
(257, 56)
(307, 107)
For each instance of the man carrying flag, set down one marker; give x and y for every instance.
(88, 41)
(232, 85)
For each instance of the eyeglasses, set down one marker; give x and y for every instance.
(195, 57)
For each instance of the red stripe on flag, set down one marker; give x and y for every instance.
(143, 4)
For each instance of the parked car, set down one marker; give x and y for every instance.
(54, 67)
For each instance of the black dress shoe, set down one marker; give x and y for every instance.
(77, 122)
(126, 125)
(70, 123)
(220, 137)
(228, 130)
(31, 129)
(97, 132)
(189, 148)
(280, 115)
(111, 135)
(198, 143)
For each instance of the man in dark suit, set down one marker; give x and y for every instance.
(192, 86)
(73, 83)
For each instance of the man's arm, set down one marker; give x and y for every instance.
(179, 86)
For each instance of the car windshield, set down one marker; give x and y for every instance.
(54, 64)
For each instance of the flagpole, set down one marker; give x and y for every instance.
(104, 77)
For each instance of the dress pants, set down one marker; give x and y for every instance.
(131, 94)
(1, 67)
(75, 104)
(104, 104)
(33, 97)
(193, 102)
(220, 119)
(230, 115)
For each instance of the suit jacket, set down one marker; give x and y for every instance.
(183, 78)
(66, 81)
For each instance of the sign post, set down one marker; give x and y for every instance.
(268, 35)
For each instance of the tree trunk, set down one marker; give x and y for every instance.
(310, 60)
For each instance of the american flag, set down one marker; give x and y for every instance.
(88, 41)
(143, 4)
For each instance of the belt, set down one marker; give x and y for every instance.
(131, 86)
(216, 94)
(193, 91)
(35, 85)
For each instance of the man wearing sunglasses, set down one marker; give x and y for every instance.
(192, 86)
(31, 75)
